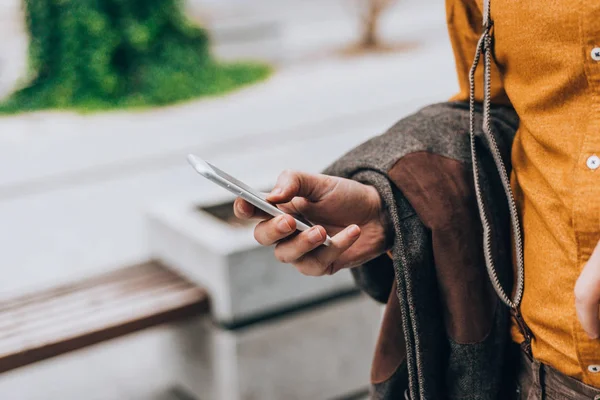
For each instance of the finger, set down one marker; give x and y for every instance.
(587, 313)
(586, 303)
(292, 249)
(244, 210)
(293, 183)
(300, 206)
(587, 295)
(321, 261)
(297, 206)
(351, 258)
(273, 230)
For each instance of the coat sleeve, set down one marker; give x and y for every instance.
(375, 277)
(464, 20)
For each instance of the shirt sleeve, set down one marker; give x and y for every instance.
(464, 21)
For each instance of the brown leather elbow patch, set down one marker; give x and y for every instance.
(441, 191)
(390, 350)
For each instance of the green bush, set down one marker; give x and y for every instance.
(98, 54)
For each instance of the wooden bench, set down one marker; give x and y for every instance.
(39, 326)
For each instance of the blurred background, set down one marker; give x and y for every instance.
(124, 274)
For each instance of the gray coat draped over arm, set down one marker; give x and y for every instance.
(444, 334)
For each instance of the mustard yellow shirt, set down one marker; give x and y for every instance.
(547, 55)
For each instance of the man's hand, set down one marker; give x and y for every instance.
(587, 295)
(350, 212)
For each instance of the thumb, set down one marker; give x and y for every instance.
(292, 184)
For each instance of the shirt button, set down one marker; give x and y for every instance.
(596, 54)
(593, 162)
(594, 369)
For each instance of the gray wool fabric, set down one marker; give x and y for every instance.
(436, 367)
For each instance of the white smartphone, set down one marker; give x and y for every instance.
(242, 190)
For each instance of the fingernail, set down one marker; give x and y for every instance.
(315, 236)
(283, 225)
(243, 211)
(276, 192)
(353, 231)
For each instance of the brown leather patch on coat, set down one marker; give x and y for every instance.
(390, 350)
(442, 193)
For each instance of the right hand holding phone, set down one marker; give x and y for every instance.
(349, 211)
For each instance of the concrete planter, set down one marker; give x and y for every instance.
(321, 353)
(211, 248)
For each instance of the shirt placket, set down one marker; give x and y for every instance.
(586, 204)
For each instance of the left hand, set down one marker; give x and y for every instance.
(587, 295)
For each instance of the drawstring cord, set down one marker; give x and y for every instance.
(484, 47)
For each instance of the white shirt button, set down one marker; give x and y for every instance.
(596, 54)
(594, 369)
(593, 162)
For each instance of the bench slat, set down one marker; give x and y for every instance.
(43, 325)
(82, 302)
